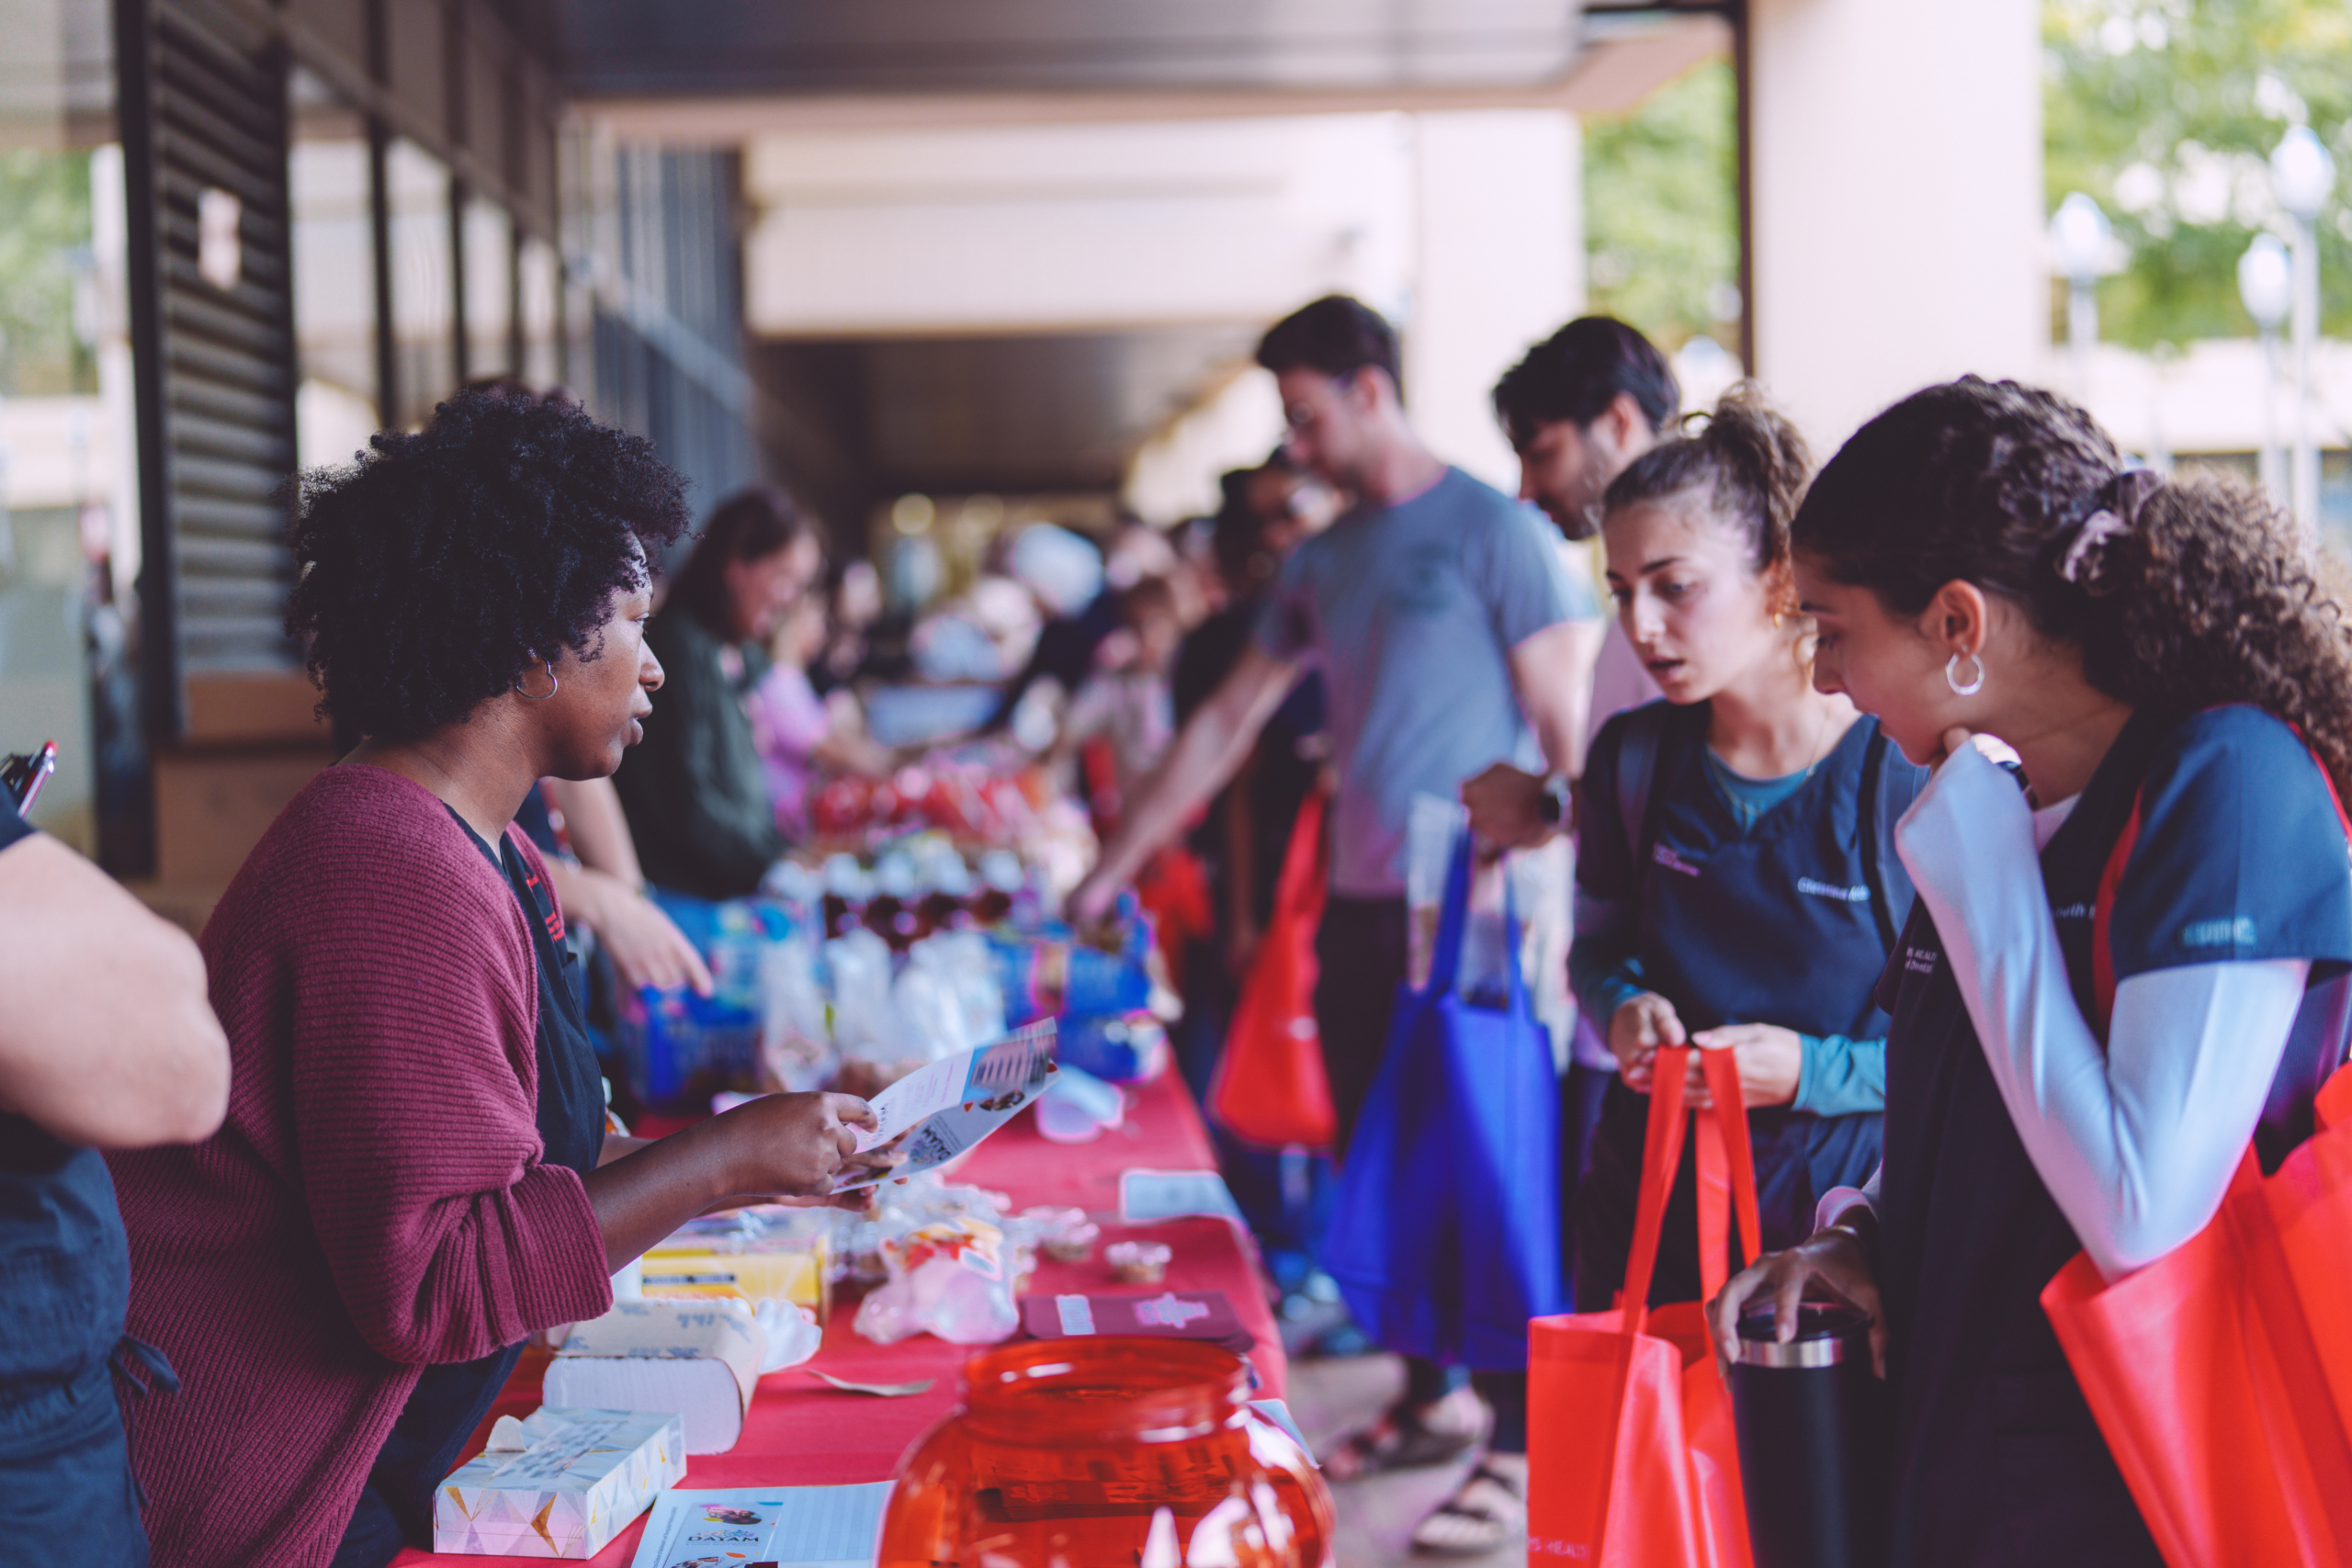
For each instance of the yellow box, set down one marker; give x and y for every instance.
(796, 1274)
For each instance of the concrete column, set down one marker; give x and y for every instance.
(1498, 265)
(1898, 207)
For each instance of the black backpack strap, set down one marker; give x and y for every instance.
(1636, 772)
(1866, 823)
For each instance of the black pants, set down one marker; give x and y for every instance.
(1360, 949)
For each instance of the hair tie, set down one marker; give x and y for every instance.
(2121, 500)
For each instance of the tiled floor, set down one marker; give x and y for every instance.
(1377, 1513)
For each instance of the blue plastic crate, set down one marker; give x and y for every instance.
(1118, 1047)
(680, 1049)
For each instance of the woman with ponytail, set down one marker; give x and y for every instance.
(1735, 886)
(2159, 661)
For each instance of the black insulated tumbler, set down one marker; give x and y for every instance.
(1812, 1440)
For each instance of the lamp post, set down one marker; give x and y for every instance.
(2267, 284)
(2079, 240)
(2302, 175)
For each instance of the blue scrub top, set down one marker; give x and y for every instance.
(1769, 921)
(2239, 856)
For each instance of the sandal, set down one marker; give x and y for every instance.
(1399, 1439)
(1470, 1525)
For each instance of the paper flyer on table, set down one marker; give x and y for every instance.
(765, 1527)
(945, 1108)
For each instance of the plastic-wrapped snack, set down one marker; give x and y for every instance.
(901, 1208)
(1138, 1262)
(949, 1277)
(1066, 1235)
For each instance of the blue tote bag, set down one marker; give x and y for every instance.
(1445, 1237)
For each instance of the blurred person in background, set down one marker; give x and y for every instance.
(415, 1175)
(853, 598)
(696, 792)
(1445, 625)
(1268, 511)
(980, 634)
(1241, 840)
(1064, 571)
(107, 1042)
(1194, 542)
(1116, 729)
(800, 735)
(1138, 550)
(1123, 702)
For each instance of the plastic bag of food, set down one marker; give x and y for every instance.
(949, 1277)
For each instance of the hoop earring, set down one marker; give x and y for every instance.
(1959, 688)
(553, 687)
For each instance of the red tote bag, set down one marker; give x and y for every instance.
(2222, 1374)
(1633, 1461)
(1270, 1088)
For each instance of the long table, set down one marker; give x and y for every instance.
(800, 1431)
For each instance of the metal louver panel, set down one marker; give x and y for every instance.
(211, 95)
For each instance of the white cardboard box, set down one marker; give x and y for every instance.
(698, 1361)
(584, 1474)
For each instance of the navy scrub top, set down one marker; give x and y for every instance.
(66, 1492)
(2239, 857)
(1769, 922)
(451, 1399)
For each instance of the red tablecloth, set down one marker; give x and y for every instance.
(801, 1432)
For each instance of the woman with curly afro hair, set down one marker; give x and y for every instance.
(2128, 957)
(414, 1175)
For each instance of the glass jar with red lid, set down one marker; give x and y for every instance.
(1096, 1452)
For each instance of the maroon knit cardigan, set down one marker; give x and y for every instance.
(375, 1200)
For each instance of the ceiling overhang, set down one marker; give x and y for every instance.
(722, 74)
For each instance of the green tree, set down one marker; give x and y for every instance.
(44, 235)
(1662, 210)
(2165, 111)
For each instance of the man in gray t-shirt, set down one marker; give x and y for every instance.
(1451, 638)
(1411, 611)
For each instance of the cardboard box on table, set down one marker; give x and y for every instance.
(581, 1476)
(677, 1358)
(792, 1270)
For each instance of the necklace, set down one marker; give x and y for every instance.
(1820, 739)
